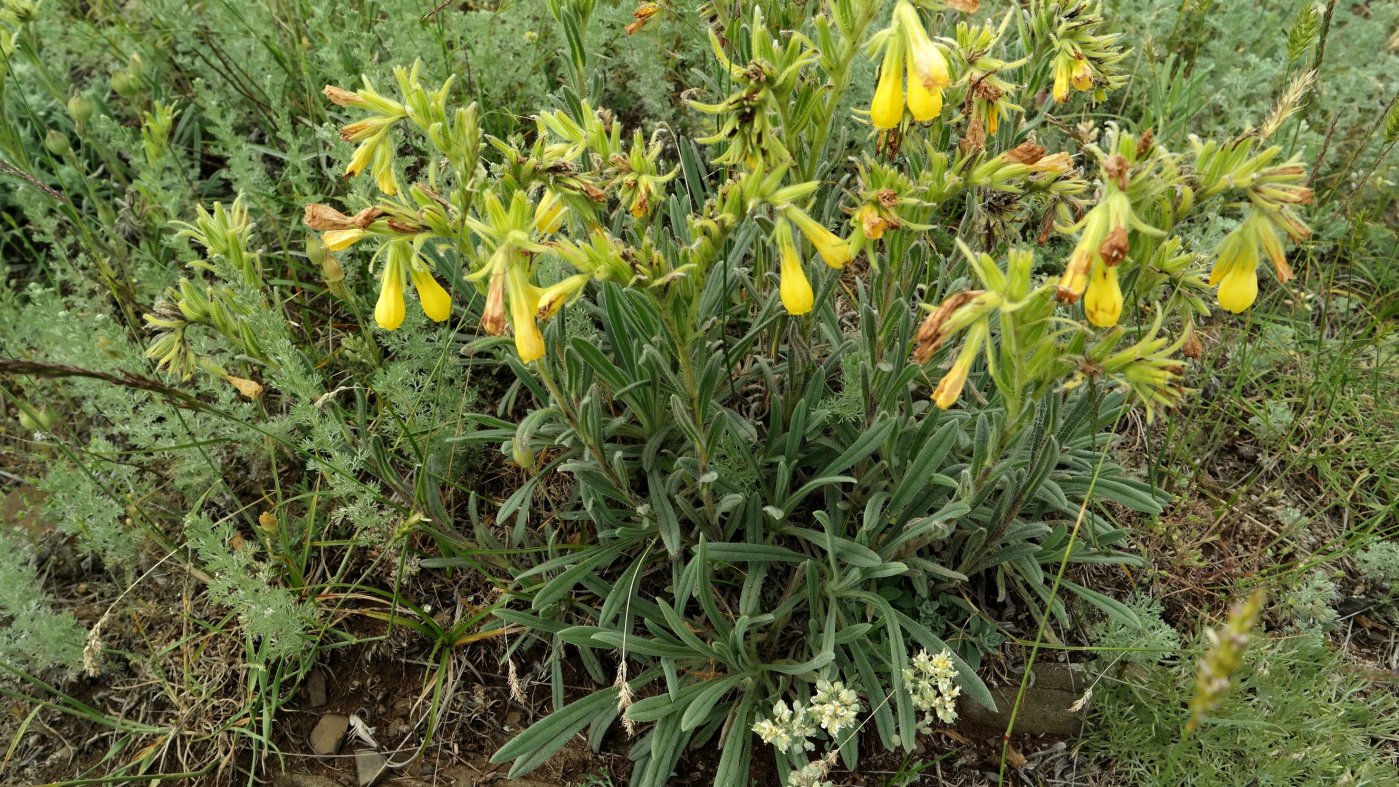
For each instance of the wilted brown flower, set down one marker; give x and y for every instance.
(931, 335)
(1145, 143)
(642, 16)
(493, 318)
(1117, 170)
(247, 388)
(1025, 153)
(343, 97)
(1114, 248)
(323, 218)
(1193, 347)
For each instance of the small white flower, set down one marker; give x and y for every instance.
(788, 729)
(834, 706)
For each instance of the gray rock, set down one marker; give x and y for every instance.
(1045, 709)
(329, 733)
(370, 766)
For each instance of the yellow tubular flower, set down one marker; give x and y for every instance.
(1075, 278)
(887, 109)
(1082, 75)
(437, 304)
(927, 63)
(1085, 254)
(362, 156)
(384, 174)
(554, 296)
(1106, 221)
(1062, 77)
(1236, 273)
(834, 250)
(1238, 289)
(950, 386)
(925, 104)
(993, 118)
(364, 129)
(548, 214)
(1103, 301)
(529, 342)
(339, 240)
(794, 287)
(388, 311)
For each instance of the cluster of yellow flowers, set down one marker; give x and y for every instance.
(1085, 60)
(517, 222)
(402, 255)
(1136, 175)
(514, 230)
(1273, 191)
(908, 50)
(1092, 267)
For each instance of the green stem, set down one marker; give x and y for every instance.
(546, 375)
(840, 83)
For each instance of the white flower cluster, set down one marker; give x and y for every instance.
(788, 729)
(929, 679)
(834, 706)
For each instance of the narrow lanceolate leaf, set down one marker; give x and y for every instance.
(753, 553)
(534, 746)
(919, 474)
(865, 445)
(736, 749)
(557, 587)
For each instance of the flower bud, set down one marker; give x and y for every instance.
(37, 419)
(56, 142)
(549, 213)
(332, 273)
(80, 108)
(125, 85)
